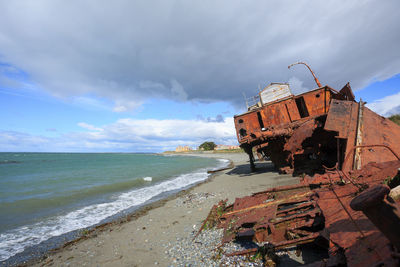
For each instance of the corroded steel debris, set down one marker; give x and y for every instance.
(318, 211)
(349, 158)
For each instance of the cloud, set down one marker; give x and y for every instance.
(296, 86)
(90, 102)
(177, 91)
(16, 141)
(13, 78)
(218, 118)
(89, 127)
(129, 51)
(171, 130)
(126, 135)
(386, 106)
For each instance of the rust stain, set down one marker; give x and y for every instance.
(323, 210)
(304, 133)
(340, 204)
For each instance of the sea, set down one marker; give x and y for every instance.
(48, 196)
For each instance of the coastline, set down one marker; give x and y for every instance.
(141, 238)
(34, 239)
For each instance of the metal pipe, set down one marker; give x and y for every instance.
(358, 142)
(315, 78)
(384, 215)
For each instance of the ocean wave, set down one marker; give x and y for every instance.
(35, 203)
(16, 240)
(10, 162)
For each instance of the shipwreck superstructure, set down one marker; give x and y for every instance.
(322, 127)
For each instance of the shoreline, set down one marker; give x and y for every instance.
(140, 238)
(39, 252)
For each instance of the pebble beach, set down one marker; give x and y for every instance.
(163, 233)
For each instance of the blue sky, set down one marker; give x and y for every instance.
(130, 77)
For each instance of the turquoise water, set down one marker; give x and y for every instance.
(43, 195)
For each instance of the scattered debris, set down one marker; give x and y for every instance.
(316, 212)
(348, 157)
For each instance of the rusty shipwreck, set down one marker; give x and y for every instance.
(347, 201)
(322, 127)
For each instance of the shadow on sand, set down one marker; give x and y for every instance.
(244, 169)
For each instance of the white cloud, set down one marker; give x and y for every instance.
(296, 86)
(386, 106)
(120, 108)
(127, 135)
(89, 127)
(89, 102)
(126, 105)
(126, 51)
(172, 131)
(16, 141)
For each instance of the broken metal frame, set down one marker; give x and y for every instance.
(282, 119)
(319, 210)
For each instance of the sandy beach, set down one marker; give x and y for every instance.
(160, 234)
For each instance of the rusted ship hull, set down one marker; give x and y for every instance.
(302, 134)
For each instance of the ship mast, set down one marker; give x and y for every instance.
(315, 78)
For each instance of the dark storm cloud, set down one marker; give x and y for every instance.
(128, 51)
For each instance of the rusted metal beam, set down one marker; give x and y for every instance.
(243, 252)
(384, 215)
(294, 197)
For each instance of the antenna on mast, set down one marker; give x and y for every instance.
(245, 99)
(315, 78)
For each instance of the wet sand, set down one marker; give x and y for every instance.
(141, 239)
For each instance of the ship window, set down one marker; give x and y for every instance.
(240, 121)
(242, 132)
(301, 106)
(260, 121)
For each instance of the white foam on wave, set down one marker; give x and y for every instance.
(148, 179)
(16, 240)
(224, 161)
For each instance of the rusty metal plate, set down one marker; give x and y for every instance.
(339, 117)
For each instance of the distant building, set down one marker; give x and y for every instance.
(183, 149)
(224, 147)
